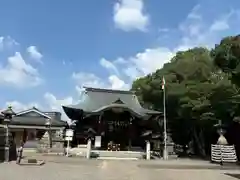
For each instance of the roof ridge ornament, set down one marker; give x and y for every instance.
(35, 108)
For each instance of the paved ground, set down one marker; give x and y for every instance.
(107, 170)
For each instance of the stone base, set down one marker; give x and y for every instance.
(31, 162)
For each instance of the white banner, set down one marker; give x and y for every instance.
(97, 141)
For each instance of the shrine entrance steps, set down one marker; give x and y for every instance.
(117, 155)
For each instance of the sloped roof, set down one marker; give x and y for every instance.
(40, 119)
(33, 109)
(36, 121)
(97, 100)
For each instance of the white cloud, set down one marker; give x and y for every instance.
(108, 65)
(117, 83)
(143, 63)
(19, 73)
(151, 59)
(194, 30)
(219, 25)
(129, 15)
(87, 79)
(55, 104)
(222, 23)
(91, 80)
(194, 14)
(18, 106)
(34, 53)
(7, 42)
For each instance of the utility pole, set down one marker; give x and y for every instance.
(165, 152)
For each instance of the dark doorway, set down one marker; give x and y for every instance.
(116, 127)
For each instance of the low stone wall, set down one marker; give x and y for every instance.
(44, 145)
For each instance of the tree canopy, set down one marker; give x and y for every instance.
(226, 56)
(201, 89)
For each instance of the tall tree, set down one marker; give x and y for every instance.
(194, 89)
(226, 56)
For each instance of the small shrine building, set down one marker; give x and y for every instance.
(113, 117)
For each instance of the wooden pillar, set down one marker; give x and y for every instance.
(100, 126)
(24, 137)
(130, 133)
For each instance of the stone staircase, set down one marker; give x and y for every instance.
(121, 155)
(81, 151)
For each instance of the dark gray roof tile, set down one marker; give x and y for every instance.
(37, 121)
(96, 100)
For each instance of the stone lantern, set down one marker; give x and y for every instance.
(48, 133)
(7, 114)
(221, 131)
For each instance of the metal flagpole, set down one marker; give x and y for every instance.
(165, 152)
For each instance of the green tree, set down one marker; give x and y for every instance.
(226, 56)
(197, 96)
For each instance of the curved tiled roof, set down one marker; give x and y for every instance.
(97, 100)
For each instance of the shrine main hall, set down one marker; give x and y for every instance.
(113, 117)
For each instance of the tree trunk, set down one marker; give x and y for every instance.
(199, 139)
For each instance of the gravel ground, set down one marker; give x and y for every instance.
(105, 170)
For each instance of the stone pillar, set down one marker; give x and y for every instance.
(7, 148)
(89, 144)
(148, 150)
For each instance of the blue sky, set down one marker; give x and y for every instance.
(49, 50)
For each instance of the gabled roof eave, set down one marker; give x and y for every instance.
(33, 110)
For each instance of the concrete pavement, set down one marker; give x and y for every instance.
(81, 169)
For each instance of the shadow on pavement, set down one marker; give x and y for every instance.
(184, 167)
(233, 175)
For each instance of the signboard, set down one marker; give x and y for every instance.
(97, 141)
(68, 138)
(118, 123)
(69, 133)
